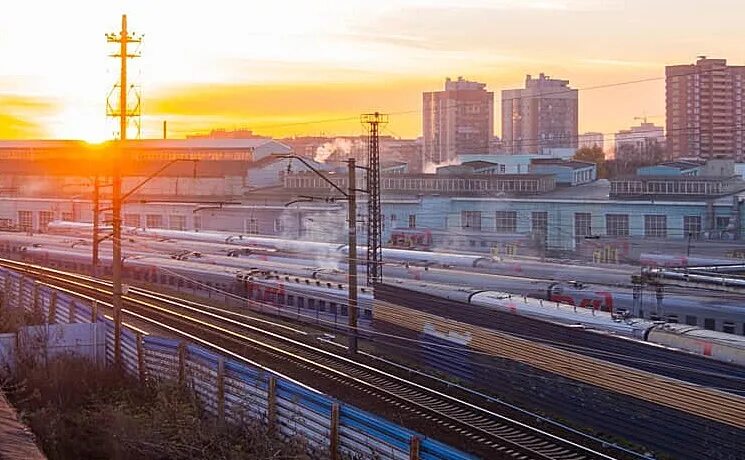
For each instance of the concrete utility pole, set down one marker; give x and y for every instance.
(96, 212)
(351, 196)
(352, 270)
(123, 39)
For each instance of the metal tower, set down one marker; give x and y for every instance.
(372, 122)
(122, 40)
(124, 100)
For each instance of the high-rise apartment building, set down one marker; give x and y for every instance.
(704, 109)
(590, 140)
(457, 121)
(542, 116)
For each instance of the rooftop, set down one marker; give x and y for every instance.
(665, 178)
(574, 164)
(478, 164)
(679, 164)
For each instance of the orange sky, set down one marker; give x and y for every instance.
(288, 67)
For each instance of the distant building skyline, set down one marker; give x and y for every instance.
(543, 115)
(704, 109)
(457, 121)
(591, 139)
(637, 143)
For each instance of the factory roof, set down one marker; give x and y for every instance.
(574, 164)
(141, 143)
(479, 164)
(682, 165)
(676, 178)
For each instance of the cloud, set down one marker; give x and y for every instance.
(283, 109)
(24, 116)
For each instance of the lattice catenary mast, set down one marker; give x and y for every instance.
(372, 122)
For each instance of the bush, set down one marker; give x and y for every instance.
(82, 411)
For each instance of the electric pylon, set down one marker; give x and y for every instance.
(122, 39)
(372, 122)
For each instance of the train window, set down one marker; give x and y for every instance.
(344, 311)
(691, 320)
(312, 304)
(290, 300)
(471, 243)
(367, 313)
(281, 299)
(180, 282)
(709, 323)
(301, 302)
(728, 327)
(332, 307)
(672, 318)
(171, 280)
(322, 305)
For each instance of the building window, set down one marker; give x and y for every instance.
(502, 169)
(471, 220)
(132, 220)
(722, 223)
(539, 223)
(153, 221)
(655, 226)
(506, 221)
(197, 222)
(279, 226)
(67, 216)
(252, 226)
(177, 222)
(617, 224)
(25, 221)
(691, 320)
(44, 218)
(692, 226)
(709, 324)
(412, 220)
(582, 225)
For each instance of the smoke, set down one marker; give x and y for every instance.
(339, 146)
(430, 167)
(319, 227)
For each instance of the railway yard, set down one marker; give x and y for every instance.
(501, 361)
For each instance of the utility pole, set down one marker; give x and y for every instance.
(351, 196)
(123, 39)
(374, 224)
(96, 212)
(352, 270)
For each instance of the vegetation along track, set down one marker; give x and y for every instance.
(481, 431)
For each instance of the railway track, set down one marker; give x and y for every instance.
(480, 430)
(700, 401)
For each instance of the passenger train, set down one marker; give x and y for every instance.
(325, 302)
(727, 315)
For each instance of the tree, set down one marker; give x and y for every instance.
(595, 155)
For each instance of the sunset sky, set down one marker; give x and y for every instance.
(311, 67)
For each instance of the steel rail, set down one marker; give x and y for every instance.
(467, 419)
